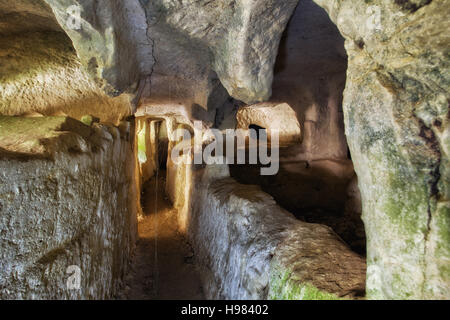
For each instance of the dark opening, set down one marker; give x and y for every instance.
(163, 145)
(316, 181)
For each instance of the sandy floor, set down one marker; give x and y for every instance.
(170, 273)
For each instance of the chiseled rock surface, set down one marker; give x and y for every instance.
(110, 37)
(22, 16)
(249, 248)
(42, 73)
(242, 37)
(272, 116)
(397, 124)
(111, 40)
(66, 198)
(309, 75)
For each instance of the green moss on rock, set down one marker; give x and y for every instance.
(89, 119)
(283, 287)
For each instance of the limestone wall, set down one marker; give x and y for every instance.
(67, 198)
(397, 125)
(42, 72)
(247, 247)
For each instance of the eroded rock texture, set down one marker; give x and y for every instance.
(170, 50)
(115, 40)
(315, 171)
(396, 116)
(250, 248)
(271, 116)
(230, 31)
(41, 71)
(66, 199)
(110, 39)
(309, 75)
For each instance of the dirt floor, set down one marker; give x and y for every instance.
(163, 263)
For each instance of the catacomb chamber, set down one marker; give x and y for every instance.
(357, 92)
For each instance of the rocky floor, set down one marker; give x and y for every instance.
(163, 263)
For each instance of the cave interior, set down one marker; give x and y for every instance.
(107, 113)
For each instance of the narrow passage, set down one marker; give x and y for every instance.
(170, 273)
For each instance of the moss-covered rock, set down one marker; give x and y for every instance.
(397, 126)
(284, 287)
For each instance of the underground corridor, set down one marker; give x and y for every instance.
(163, 264)
(224, 150)
(316, 181)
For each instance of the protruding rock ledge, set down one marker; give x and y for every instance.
(250, 248)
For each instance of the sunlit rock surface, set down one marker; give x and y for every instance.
(42, 74)
(66, 199)
(322, 191)
(41, 71)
